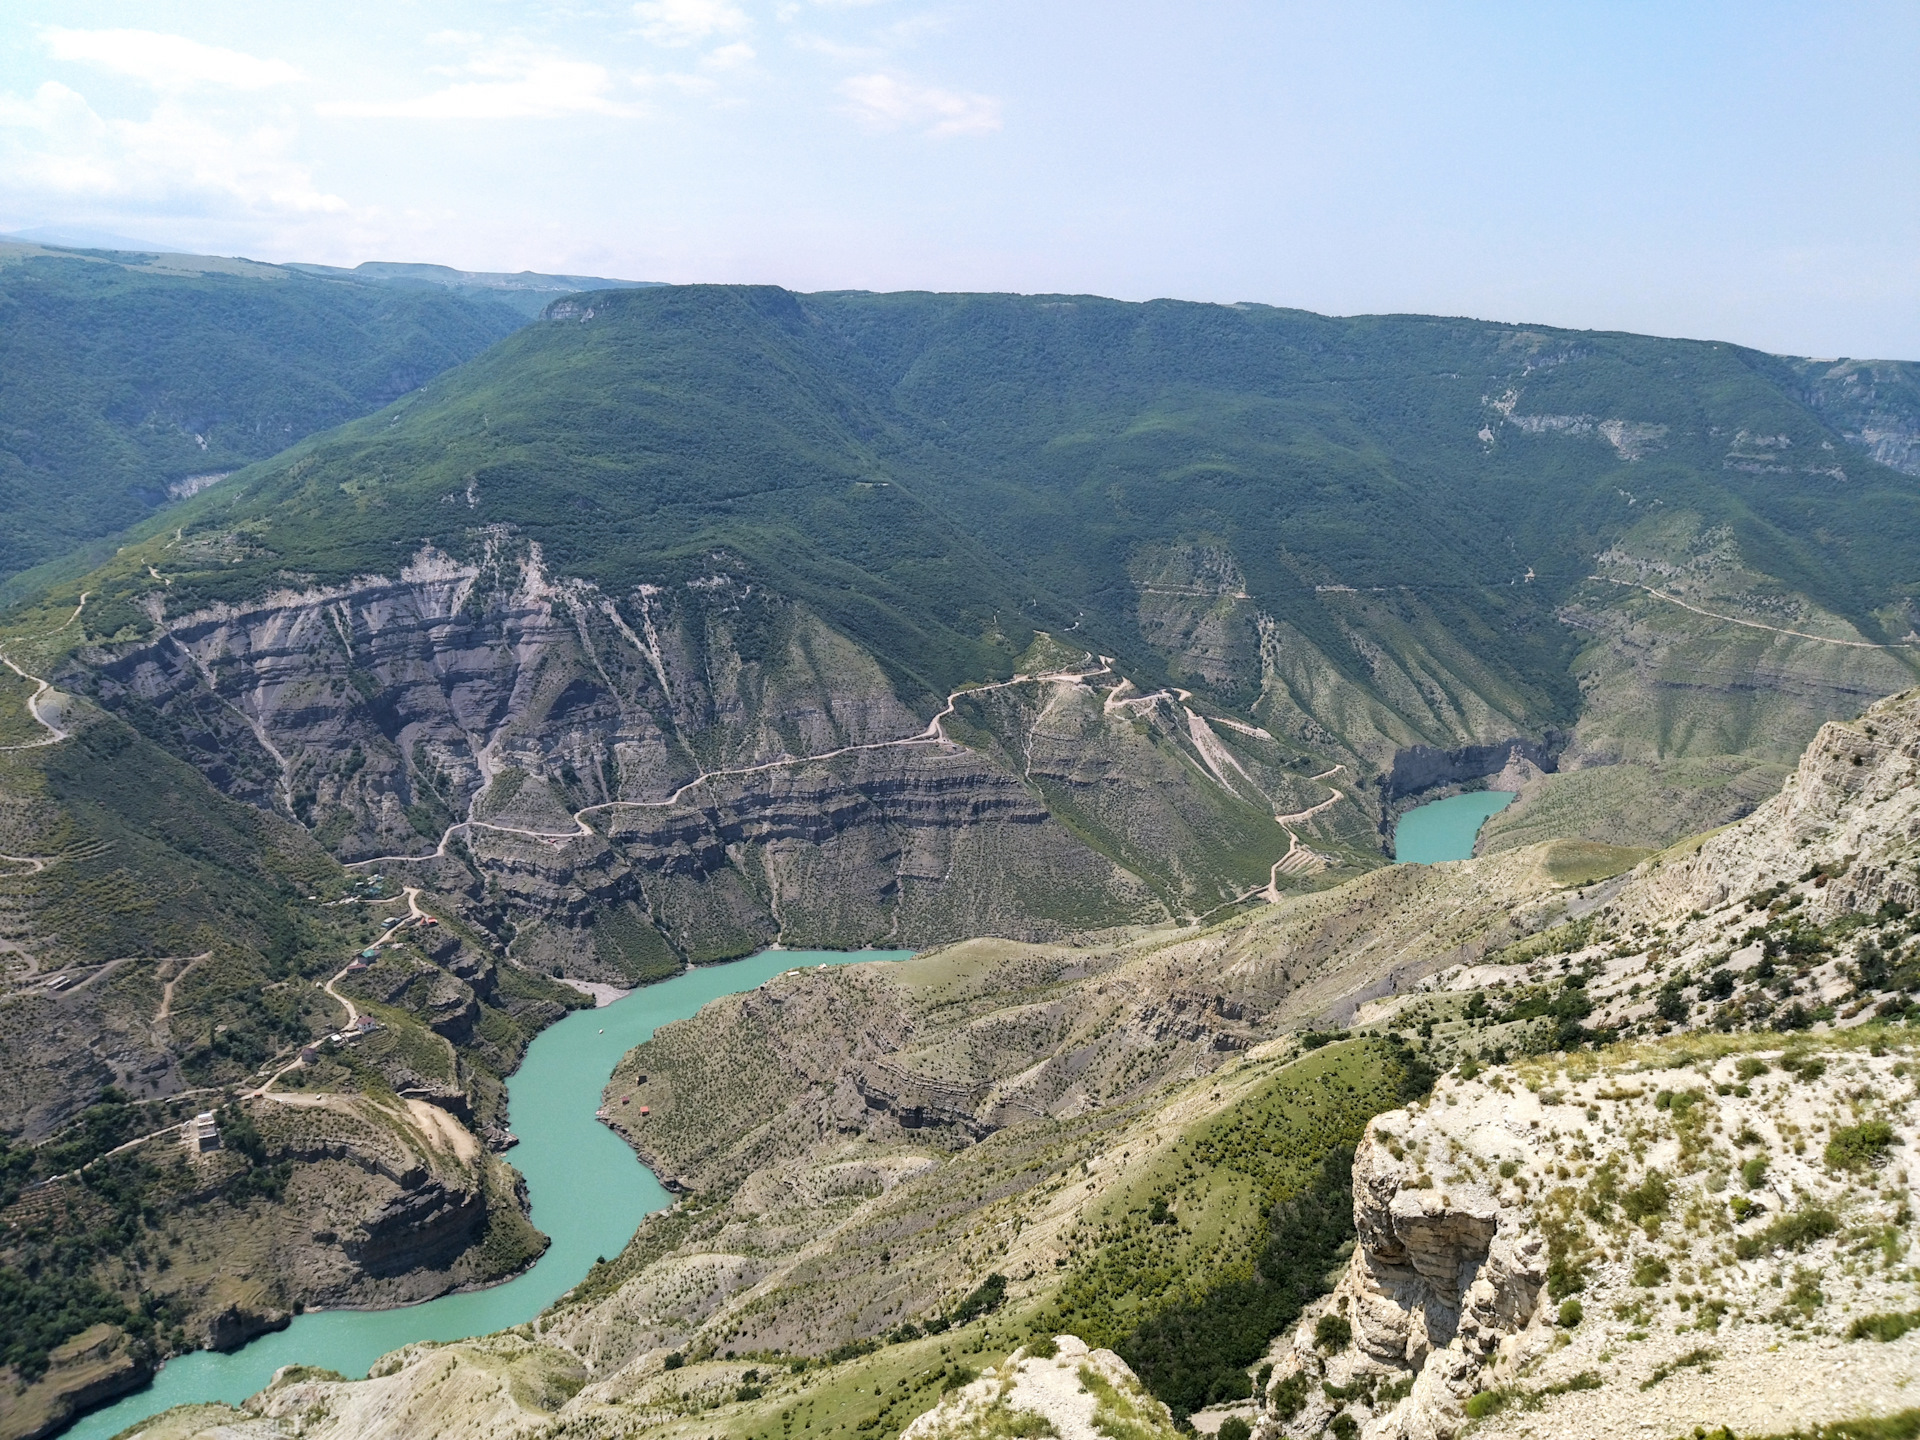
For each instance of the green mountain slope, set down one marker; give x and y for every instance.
(134, 378)
(645, 629)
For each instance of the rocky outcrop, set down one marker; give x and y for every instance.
(622, 783)
(99, 1364)
(1621, 1244)
(1078, 1392)
(234, 1326)
(1442, 1282)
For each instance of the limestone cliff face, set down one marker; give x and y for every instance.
(1443, 1282)
(1619, 1243)
(620, 783)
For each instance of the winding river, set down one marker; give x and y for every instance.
(588, 1192)
(1446, 829)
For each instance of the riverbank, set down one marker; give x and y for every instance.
(588, 1193)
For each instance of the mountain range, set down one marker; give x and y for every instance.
(674, 622)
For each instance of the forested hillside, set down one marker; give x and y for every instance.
(134, 379)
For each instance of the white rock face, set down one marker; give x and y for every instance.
(1440, 1278)
(1699, 1218)
(1851, 809)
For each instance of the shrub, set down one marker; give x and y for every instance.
(1487, 1402)
(675, 1360)
(1804, 1067)
(1290, 1395)
(1789, 1232)
(985, 1299)
(1344, 1426)
(1570, 1313)
(1855, 1147)
(1649, 1271)
(1649, 1197)
(1332, 1333)
(1750, 1066)
(1753, 1174)
(1883, 1327)
(1234, 1428)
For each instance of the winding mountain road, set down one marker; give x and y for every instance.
(1753, 624)
(54, 733)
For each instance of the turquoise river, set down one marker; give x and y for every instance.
(587, 1189)
(1446, 829)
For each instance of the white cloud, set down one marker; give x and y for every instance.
(838, 50)
(889, 103)
(688, 22)
(508, 83)
(729, 57)
(167, 62)
(55, 146)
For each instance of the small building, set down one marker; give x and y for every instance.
(428, 920)
(372, 952)
(201, 1133)
(390, 922)
(309, 1054)
(356, 964)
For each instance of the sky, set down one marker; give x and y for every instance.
(1742, 171)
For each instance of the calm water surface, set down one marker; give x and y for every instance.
(1446, 829)
(587, 1190)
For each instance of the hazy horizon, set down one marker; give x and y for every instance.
(1720, 172)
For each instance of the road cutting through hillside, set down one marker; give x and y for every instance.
(166, 993)
(54, 733)
(1753, 624)
(1116, 699)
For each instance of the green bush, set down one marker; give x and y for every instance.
(984, 1299)
(1789, 1232)
(1289, 1397)
(1753, 1173)
(1650, 1197)
(1855, 1147)
(1883, 1327)
(1234, 1428)
(1332, 1333)
(1487, 1402)
(1570, 1313)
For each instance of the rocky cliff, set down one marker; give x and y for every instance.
(618, 784)
(1629, 1242)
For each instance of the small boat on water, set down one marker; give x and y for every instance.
(602, 1114)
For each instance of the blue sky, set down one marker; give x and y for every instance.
(1743, 171)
